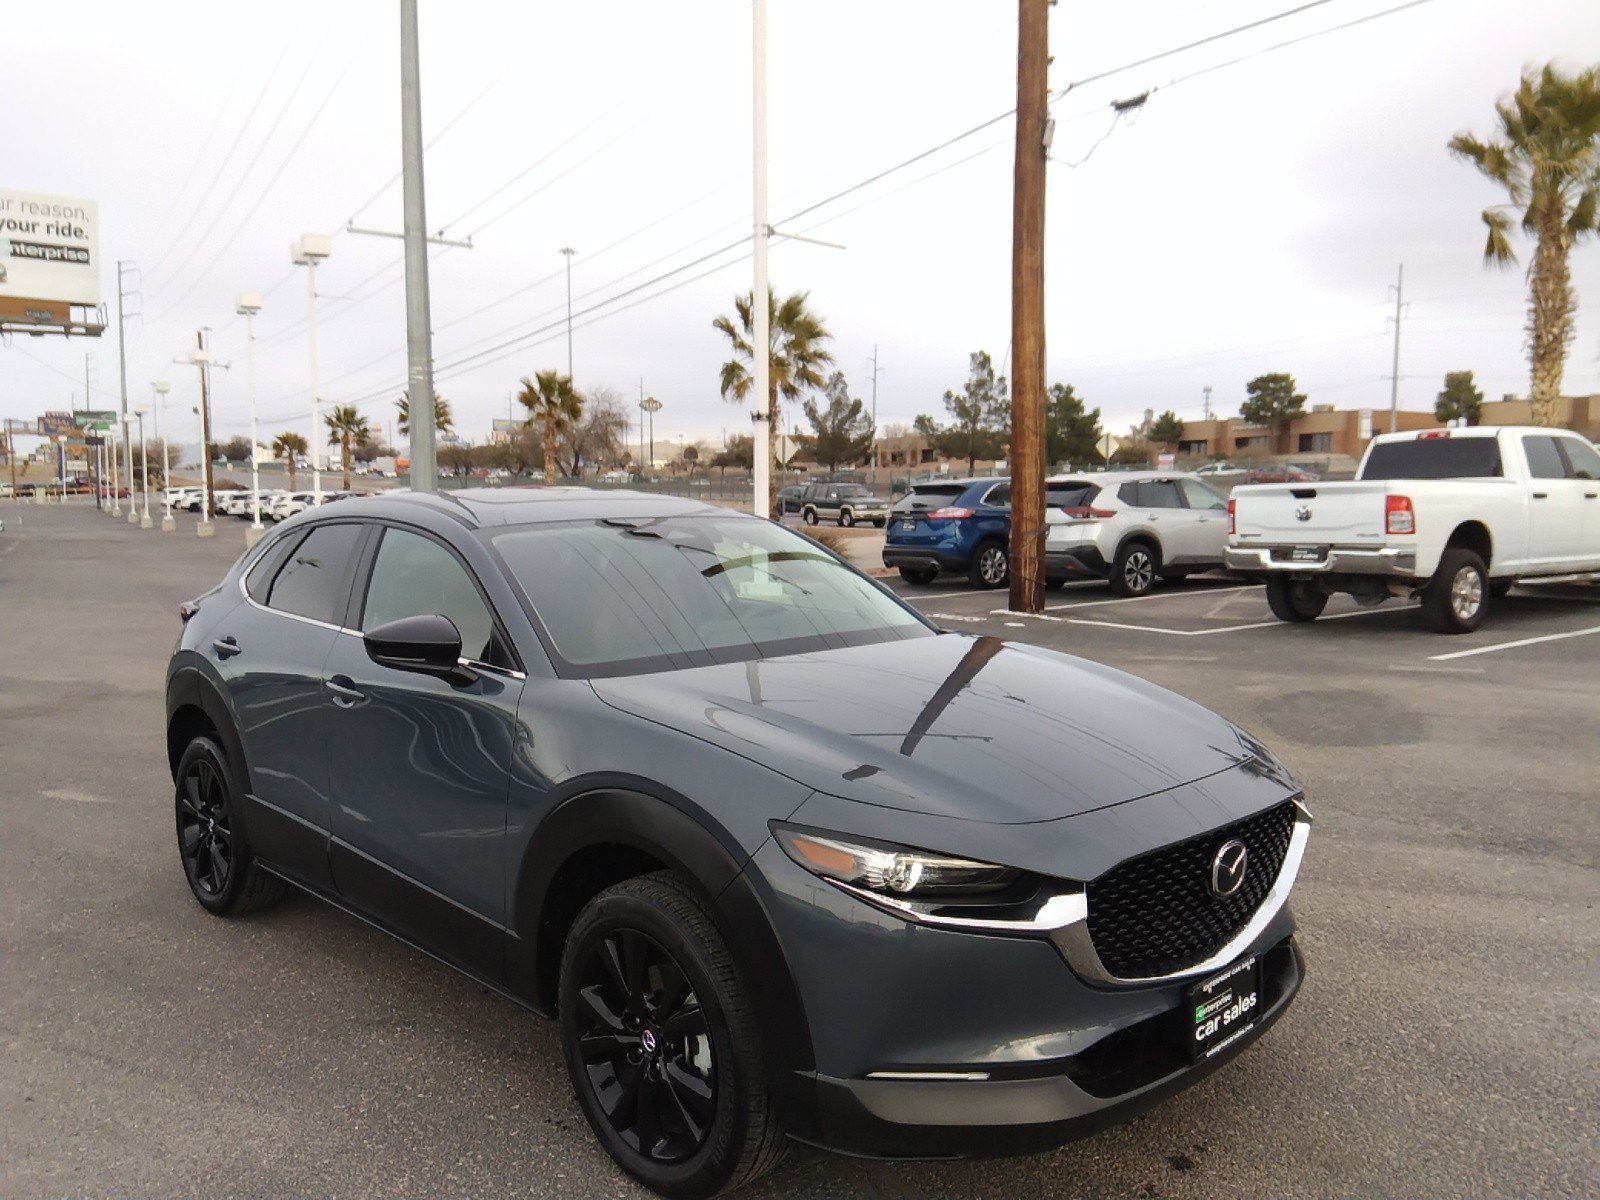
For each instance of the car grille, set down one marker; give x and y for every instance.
(1155, 914)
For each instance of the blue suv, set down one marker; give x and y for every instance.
(952, 525)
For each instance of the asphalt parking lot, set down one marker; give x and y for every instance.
(1447, 1041)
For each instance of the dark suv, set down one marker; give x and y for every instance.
(983, 899)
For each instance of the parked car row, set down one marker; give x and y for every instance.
(277, 504)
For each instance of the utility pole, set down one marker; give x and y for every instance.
(568, 251)
(249, 304)
(760, 341)
(162, 387)
(1394, 378)
(201, 358)
(419, 330)
(1027, 308)
(641, 425)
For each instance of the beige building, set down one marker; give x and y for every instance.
(1322, 431)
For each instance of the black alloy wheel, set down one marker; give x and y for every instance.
(646, 1046)
(205, 832)
(661, 1044)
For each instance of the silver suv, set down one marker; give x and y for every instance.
(1133, 528)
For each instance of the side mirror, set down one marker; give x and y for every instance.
(428, 645)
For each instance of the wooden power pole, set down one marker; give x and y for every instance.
(1027, 308)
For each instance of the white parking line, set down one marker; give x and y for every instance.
(1530, 641)
(1163, 595)
(1364, 612)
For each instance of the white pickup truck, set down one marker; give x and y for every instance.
(1455, 515)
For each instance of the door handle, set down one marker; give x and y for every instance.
(1591, 495)
(1541, 495)
(226, 647)
(345, 692)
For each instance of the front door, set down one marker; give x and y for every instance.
(1207, 533)
(418, 765)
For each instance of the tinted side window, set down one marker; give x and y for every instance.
(1544, 460)
(259, 582)
(1159, 493)
(1128, 493)
(999, 497)
(415, 576)
(1581, 458)
(315, 581)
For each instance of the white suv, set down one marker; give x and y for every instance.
(1133, 528)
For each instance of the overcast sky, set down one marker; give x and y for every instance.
(1248, 219)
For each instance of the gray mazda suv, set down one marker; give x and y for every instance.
(782, 858)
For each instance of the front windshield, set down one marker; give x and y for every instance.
(627, 597)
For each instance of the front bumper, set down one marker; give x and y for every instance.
(1393, 561)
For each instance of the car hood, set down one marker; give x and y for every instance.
(968, 728)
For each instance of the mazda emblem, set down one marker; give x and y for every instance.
(648, 1039)
(1303, 513)
(1228, 868)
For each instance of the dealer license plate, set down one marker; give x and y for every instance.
(1306, 554)
(1220, 1010)
(907, 525)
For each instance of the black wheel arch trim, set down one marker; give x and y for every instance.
(1145, 538)
(623, 814)
(188, 687)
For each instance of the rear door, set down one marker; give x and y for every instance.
(1158, 507)
(1583, 465)
(1556, 505)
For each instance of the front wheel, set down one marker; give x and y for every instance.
(217, 862)
(990, 567)
(809, 516)
(661, 1044)
(1295, 599)
(1457, 597)
(846, 518)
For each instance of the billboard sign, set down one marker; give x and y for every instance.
(57, 424)
(95, 418)
(49, 248)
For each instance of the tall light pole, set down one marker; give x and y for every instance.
(568, 251)
(161, 388)
(201, 358)
(1394, 378)
(123, 266)
(652, 406)
(760, 341)
(137, 414)
(875, 370)
(419, 328)
(307, 251)
(249, 305)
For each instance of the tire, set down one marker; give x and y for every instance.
(710, 1128)
(919, 575)
(846, 518)
(222, 873)
(1499, 589)
(990, 566)
(1294, 599)
(809, 516)
(1135, 569)
(880, 524)
(1457, 597)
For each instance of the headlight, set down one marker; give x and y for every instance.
(891, 870)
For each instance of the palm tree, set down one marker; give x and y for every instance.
(1547, 157)
(553, 403)
(796, 359)
(443, 422)
(287, 446)
(346, 429)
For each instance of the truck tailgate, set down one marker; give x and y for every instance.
(1343, 514)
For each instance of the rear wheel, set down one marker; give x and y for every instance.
(1133, 573)
(1295, 599)
(1457, 597)
(990, 566)
(661, 1044)
(809, 516)
(846, 518)
(919, 575)
(217, 862)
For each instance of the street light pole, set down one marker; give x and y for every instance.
(306, 251)
(249, 305)
(123, 266)
(144, 465)
(201, 358)
(569, 252)
(162, 387)
(760, 345)
(419, 327)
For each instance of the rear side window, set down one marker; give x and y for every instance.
(999, 496)
(1200, 496)
(1435, 458)
(925, 497)
(1070, 495)
(1150, 493)
(1544, 460)
(315, 581)
(1582, 458)
(259, 582)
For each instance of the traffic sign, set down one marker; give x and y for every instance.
(1108, 445)
(57, 424)
(92, 417)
